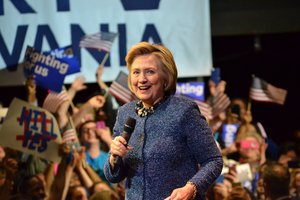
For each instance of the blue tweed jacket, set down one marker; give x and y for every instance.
(168, 147)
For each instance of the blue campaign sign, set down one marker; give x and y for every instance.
(194, 90)
(48, 77)
(66, 55)
(49, 71)
(229, 133)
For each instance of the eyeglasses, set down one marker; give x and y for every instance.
(86, 130)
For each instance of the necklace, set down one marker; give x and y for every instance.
(142, 111)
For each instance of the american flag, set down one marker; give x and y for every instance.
(101, 41)
(219, 103)
(119, 88)
(70, 135)
(264, 91)
(204, 107)
(54, 100)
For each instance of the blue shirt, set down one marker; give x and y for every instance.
(97, 164)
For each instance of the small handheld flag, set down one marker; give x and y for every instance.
(119, 88)
(263, 91)
(101, 41)
(204, 107)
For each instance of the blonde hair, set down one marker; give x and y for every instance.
(164, 57)
(252, 134)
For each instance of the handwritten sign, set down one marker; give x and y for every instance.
(32, 130)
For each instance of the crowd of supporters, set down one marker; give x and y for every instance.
(255, 167)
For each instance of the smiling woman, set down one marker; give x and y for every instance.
(147, 80)
(171, 137)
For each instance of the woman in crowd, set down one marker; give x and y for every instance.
(171, 138)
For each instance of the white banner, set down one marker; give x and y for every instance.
(182, 26)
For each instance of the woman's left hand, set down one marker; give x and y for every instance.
(183, 193)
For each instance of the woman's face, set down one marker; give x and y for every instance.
(249, 149)
(88, 133)
(147, 79)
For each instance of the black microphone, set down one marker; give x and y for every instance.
(128, 129)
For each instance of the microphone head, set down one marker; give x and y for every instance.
(129, 125)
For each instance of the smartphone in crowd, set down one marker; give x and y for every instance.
(216, 75)
(100, 124)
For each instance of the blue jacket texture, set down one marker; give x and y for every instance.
(171, 146)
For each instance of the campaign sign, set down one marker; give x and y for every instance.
(31, 130)
(194, 90)
(229, 133)
(49, 71)
(66, 55)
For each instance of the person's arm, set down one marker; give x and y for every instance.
(59, 182)
(77, 85)
(97, 180)
(93, 177)
(94, 102)
(104, 87)
(82, 172)
(105, 135)
(100, 82)
(49, 176)
(62, 114)
(60, 185)
(31, 91)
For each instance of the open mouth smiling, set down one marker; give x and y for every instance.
(144, 87)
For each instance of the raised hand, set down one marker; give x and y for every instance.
(96, 101)
(78, 84)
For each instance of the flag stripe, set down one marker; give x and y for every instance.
(121, 93)
(100, 41)
(263, 91)
(219, 103)
(54, 100)
(204, 107)
(119, 88)
(259, 95)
